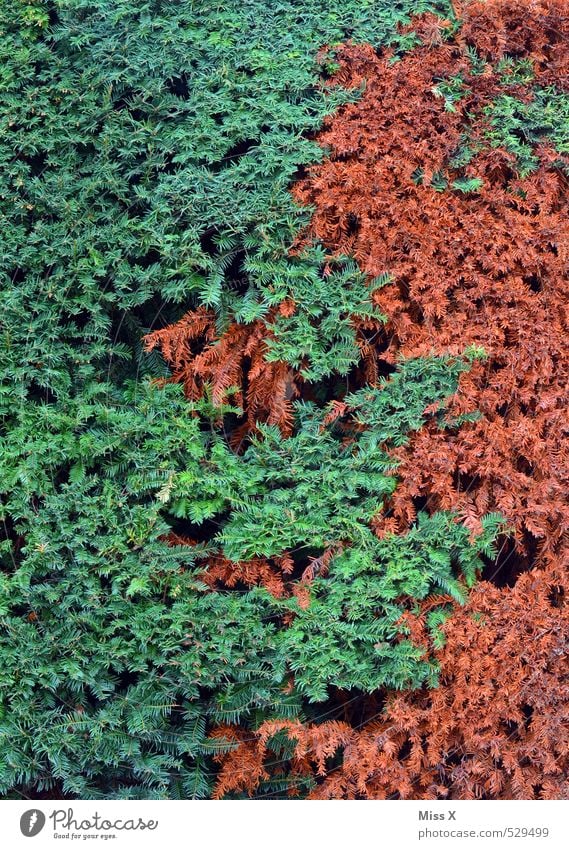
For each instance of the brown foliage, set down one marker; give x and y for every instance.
(221, 573)
(486, 269)
(538, 29)
(224, 573)
(197, 356)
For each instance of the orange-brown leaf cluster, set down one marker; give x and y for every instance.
(198, 356)
(487, 268)
(537, 29)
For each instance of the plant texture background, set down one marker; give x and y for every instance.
(283, 399)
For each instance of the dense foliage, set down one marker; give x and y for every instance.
(114, 650)
(216, 588)
(454, 167)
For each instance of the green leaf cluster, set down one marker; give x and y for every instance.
(146, 155)
(116, 657)
(519, 126)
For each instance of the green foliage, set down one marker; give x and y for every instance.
(451, 90)
(519, 126)
(146, 155)
(309, 490)
(319, 339)
(349, 636)
(513, 124)
(515, 71)
(89, 701)
(115, 654)
(465, 185)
